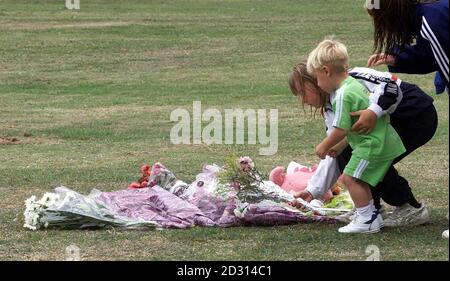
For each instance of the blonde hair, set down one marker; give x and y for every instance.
(329, 51)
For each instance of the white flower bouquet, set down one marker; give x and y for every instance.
(67, 209)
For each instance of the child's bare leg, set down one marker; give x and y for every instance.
(367, 219)
(359, 191)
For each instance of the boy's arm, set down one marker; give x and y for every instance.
(336, 136)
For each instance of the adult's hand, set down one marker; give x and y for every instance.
(366, 122)
(379, 59)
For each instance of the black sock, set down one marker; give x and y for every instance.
(377, 203)
(413, 202)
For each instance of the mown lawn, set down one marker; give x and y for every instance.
(87, 95)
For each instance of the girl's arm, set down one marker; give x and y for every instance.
(323, 148)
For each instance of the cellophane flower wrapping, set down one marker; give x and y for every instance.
(67, 209)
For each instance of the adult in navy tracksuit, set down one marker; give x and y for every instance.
(396, 24)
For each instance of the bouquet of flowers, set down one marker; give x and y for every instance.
(67, 209)
(241, 177)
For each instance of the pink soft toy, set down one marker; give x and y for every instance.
(295, 181)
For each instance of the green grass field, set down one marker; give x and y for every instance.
(87, 94)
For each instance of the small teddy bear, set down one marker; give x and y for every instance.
(143, 181)
(295, 180)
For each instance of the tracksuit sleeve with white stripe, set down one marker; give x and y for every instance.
(431, 51)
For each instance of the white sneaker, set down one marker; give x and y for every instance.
(407, 215)
(361, 225)
(348, 217)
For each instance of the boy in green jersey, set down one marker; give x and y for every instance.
(373, 153)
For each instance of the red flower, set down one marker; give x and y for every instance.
(134, 185)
